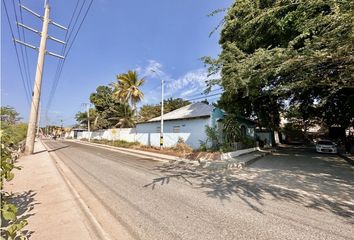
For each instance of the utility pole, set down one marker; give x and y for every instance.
(162, 97)
(39, 119)
(162, 100)
(31, 134)
(87, 105)
(36, 94)
(61, 128)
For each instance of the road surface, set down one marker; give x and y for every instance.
(149, 199)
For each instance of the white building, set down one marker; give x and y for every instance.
(187, 122)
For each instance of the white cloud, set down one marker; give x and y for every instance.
(189, 92)
(153, 69)
(191, 83)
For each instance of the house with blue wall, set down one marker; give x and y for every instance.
(187, 123)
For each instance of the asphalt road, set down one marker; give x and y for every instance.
(156, 200)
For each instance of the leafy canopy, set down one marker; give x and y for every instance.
(150, 111)
(279, 53)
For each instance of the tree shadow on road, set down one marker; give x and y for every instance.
(224, 183)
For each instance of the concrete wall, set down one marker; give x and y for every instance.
(191, 130)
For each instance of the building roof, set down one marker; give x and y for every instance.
(194, 110)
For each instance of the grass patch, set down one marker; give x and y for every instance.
(118, 143)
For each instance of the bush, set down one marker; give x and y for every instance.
(248, 142)
(226, 147)
(11, 134)
(212, 136)
(181, 146)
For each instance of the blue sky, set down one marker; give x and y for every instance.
(166, 36)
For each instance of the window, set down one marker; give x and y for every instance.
(176, 129)
(158, 129)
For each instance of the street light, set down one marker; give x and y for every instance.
(162, 97)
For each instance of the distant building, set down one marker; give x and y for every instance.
(189, 124)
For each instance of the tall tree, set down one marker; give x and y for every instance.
(109, 109)
(127, 88)
(9, 115)
(279, 53)
(82, 118)
(150, 111)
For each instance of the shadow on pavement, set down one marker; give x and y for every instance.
(246, 185)
(25, 203)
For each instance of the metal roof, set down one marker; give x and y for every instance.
(190, 111)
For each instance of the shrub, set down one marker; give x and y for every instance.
(212, 136)
(226, 147)
(11, 134)
(203, 146)
(182, 147)
(248, 142)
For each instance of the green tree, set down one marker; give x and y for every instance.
(280, 53)
(9, 115)
(127, 88)
(150, 111)
(109, 109)
(82, 118)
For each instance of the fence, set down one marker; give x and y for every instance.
(131, 135)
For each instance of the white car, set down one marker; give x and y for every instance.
(326, 146)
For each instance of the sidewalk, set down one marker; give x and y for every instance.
(46, 201)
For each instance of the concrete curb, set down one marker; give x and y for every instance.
(226, 163)
(133, 152)
(97, 228)
(249, 162)
(234, 163)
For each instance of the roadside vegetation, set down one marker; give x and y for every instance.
(12, 135)
(291, 58)
(114, 105)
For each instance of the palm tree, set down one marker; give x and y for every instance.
(127, 88)
(125, 121)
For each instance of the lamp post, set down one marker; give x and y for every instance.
(162, 97)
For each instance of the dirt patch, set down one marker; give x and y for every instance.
(176, 152)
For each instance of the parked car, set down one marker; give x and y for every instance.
(326, 146)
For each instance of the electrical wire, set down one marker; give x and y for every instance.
(55, 84)
(26, 54)
(17, 55)
(208, 96)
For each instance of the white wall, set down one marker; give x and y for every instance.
(191, 130)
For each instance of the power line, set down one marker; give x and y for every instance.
(55, 84)
(21, 48)
(200, 94)
(211, 95)
(17, 55)
(24, 39)
(61, 62)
